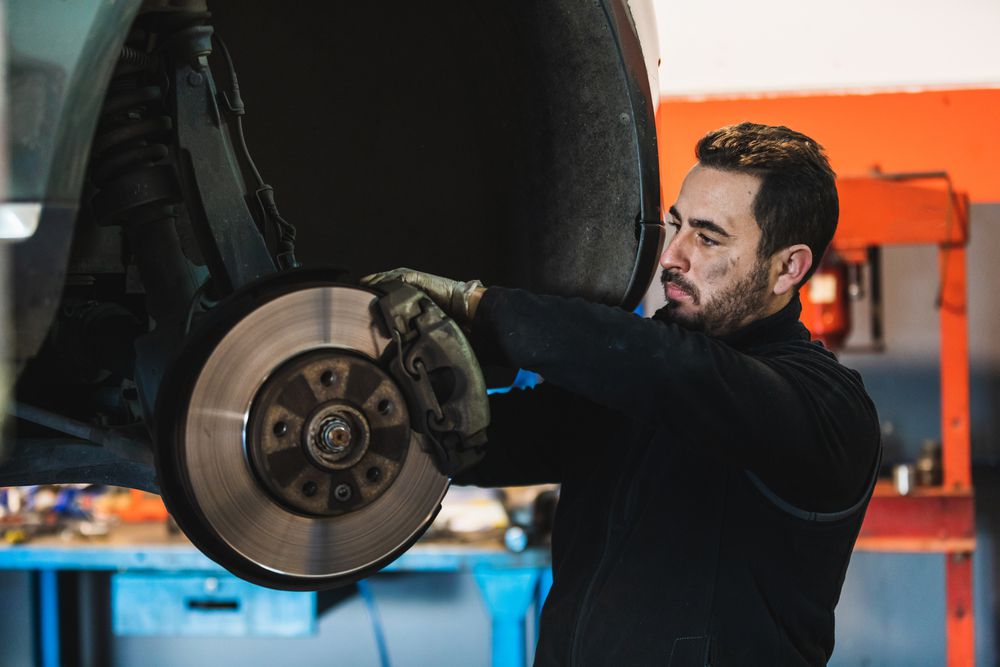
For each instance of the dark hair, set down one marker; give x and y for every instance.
(797, 201)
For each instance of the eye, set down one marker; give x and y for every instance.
(705, 240)
(676, 225)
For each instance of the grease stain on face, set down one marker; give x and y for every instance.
(718, 270)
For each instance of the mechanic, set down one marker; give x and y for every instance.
(715, 463)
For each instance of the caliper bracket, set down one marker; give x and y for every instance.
(434, 366)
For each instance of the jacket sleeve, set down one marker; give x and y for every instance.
(800, 421)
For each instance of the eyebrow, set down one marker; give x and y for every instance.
(701, 224)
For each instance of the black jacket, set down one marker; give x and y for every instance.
(712, 488)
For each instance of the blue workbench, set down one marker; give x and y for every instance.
(510, 583)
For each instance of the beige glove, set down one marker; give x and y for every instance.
(458, 299)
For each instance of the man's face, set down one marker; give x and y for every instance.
(712, 277)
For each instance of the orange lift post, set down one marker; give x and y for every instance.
(881, 210)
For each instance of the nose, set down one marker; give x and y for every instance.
(675, 255)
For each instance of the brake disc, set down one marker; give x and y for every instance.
(285, 448)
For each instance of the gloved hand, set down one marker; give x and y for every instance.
(458, 299)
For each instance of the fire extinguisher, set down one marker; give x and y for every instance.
(826, 308)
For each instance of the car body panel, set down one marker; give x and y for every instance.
(61, 55)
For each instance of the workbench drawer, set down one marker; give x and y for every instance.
(154, 604)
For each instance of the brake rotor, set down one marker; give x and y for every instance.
(285, 451)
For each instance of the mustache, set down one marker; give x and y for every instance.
(672, 276)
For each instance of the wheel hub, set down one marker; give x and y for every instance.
(328, 433)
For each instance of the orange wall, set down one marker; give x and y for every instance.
(957, 131)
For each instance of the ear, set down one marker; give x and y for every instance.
(792, 264)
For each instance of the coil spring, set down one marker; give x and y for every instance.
(136, 58)
(129, 144)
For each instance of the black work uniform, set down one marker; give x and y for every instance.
(712, 488)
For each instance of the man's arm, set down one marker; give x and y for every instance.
(802, 426)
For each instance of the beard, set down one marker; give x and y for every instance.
(735, 306)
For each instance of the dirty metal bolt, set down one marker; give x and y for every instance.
(342, 493)
(195, 79)
(334, 435)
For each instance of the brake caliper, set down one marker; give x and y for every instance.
(434, 366)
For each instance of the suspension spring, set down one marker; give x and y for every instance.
(137, 186)
(136, 58)
(129, 167)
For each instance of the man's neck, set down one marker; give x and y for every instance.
(779, 324)
(773, 306)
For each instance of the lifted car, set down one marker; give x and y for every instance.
(176, 332)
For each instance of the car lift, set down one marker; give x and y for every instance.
(925, 209)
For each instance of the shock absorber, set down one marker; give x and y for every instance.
(137, 186)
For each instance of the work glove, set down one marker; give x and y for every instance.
(457, 299)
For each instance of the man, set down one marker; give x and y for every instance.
(715, 464)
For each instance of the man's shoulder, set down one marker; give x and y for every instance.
(810, 361)
(802, 348)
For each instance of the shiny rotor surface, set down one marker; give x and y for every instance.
(221, 478)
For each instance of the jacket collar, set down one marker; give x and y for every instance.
(782, 326)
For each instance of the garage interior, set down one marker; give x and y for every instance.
(466, 139)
